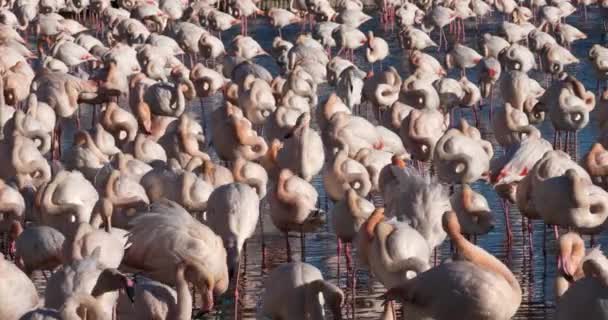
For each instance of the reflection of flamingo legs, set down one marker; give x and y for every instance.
(506, 206)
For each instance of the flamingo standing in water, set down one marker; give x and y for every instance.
(440, 17)
(246, 8)
(280, 18)
(377, 50)
(492, 291)
(350, 39)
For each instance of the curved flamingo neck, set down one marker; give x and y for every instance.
(184, 298)
(481, 258)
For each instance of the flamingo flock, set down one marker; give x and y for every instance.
(144, 143)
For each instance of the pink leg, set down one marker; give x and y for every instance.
(340, 51)
(476, 115)
(263, 241)
(78, 118)
(339, 247)
(288, 246)
(556, 232)
(464, 32)
(353, 279)
(545, 239)
(236, 290)
(506, 210)
(440, 40)
(491, 101)
(530, 233)
(349, 260)
(302, 246)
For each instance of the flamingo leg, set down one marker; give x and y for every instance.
(94, 117)
(193, 296)
(354, 291)
(585, 12)
(78, 118)
(506, 207)
(464, 33)
(236, 290)
(491, 101)
(575, 146)
(445, 39)
(556, 231)
(302, 245)
(263, 242)
(288, 246)
(349, 259)
(339, 248)
(530, 233)
(204, 120)
(440, 40)
(340, 51)
(544, 240)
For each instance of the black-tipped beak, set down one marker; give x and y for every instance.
(200, 314)
(130, 290)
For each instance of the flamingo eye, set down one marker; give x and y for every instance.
(459, 168)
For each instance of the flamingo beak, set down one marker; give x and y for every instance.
(130, 289)
(564, 266)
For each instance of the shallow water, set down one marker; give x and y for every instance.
(534, 267)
